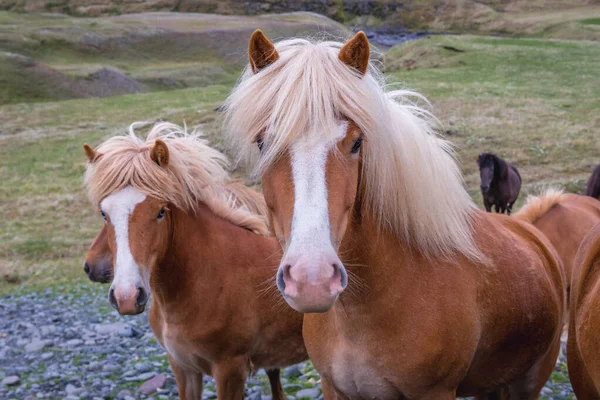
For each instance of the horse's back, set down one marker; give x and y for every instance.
(567, 223)
(521, 301)
(583, 350)
(514, 179)
(593, 185)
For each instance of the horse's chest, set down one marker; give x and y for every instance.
(359, 375)
(182, 350)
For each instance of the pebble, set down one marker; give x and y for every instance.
(11, 380)
(308, 393)
(90, 352)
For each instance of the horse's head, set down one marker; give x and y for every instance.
(138, 228)
(98, 264)
(311, 186)
(485, 161)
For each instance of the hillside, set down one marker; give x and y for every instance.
(55, 57)
(574, 19)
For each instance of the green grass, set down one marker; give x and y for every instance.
(534, 102)
(590, 21)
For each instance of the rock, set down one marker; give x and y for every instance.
(208, 394)
(292, 372)
(71, 397)
(46, 356)
(143, 367)
(125, 332)
(308, 394)
(152, 385)
(11, 380)
(74, 342)
(70, 389)
(141, 377)
(254, 396)
(546, 391)
(292, 387)
(123, 393)
(106, 329)
(35, 345)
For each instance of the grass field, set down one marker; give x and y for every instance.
(533, 101)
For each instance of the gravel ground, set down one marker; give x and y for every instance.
(66, 343)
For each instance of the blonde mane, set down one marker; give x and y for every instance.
(536, 206)
(412, 182)
(195, 173)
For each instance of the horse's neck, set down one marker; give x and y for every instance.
(500, 168)
(202, 259)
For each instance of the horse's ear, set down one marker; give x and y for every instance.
(91, 154)
(160, 153)
(261, 51)
(356, 52)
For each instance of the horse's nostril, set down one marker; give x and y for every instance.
(284, 271)
(86, 268)
(112, 299)
(340, 271)
(142, 297)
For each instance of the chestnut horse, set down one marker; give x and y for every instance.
(593, 183)
(179, 230)
(583, 346)
(98, 260)
(444, 300)
(500, 183)
(565, 219)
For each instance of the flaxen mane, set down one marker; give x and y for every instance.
(195, 173)
(412, 183)
(536, 206)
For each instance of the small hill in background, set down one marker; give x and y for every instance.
(56, 57)
(547, 18)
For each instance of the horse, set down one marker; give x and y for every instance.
(409, 291)
(178, 228)
(584, 321)
(565, 219)
(98, 259)
(500, 183)
(593, 184)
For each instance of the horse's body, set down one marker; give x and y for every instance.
(443, 299)
(583, 346)
(500, 183)
(565, 219)
(207, 275)
(593, 184)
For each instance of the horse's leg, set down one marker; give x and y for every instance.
(529, 386)
(275, 382)
(496, 208)
(329, 392)
(487, 205)
(189, 383)
(583, 385)
(510, 206)
(230, 377)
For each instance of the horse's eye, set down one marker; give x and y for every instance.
(161, 213)
(103, 215)
(356, 146)
(259, 143)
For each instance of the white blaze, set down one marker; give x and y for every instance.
(311, 232)
(119, 206)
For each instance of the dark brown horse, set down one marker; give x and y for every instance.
(500, 183)
(182, 231)
(593, 184)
